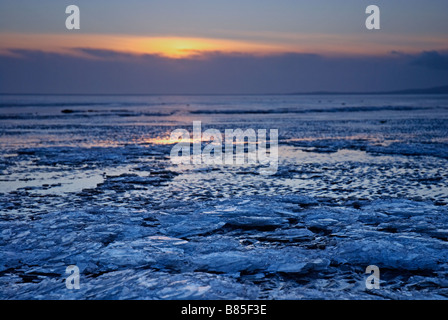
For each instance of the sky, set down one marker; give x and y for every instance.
(217, 46)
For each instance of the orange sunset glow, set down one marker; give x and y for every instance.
(172, 47)
(183, 47)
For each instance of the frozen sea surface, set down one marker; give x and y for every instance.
(88, 181)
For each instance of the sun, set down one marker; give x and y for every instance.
(177, 47)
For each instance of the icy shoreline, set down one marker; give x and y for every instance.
(355, 187)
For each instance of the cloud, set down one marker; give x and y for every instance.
(102, 54)
(431, 60)
(104, 71)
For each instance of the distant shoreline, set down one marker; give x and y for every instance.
(433, 90)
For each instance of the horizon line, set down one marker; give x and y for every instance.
(443, 89)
